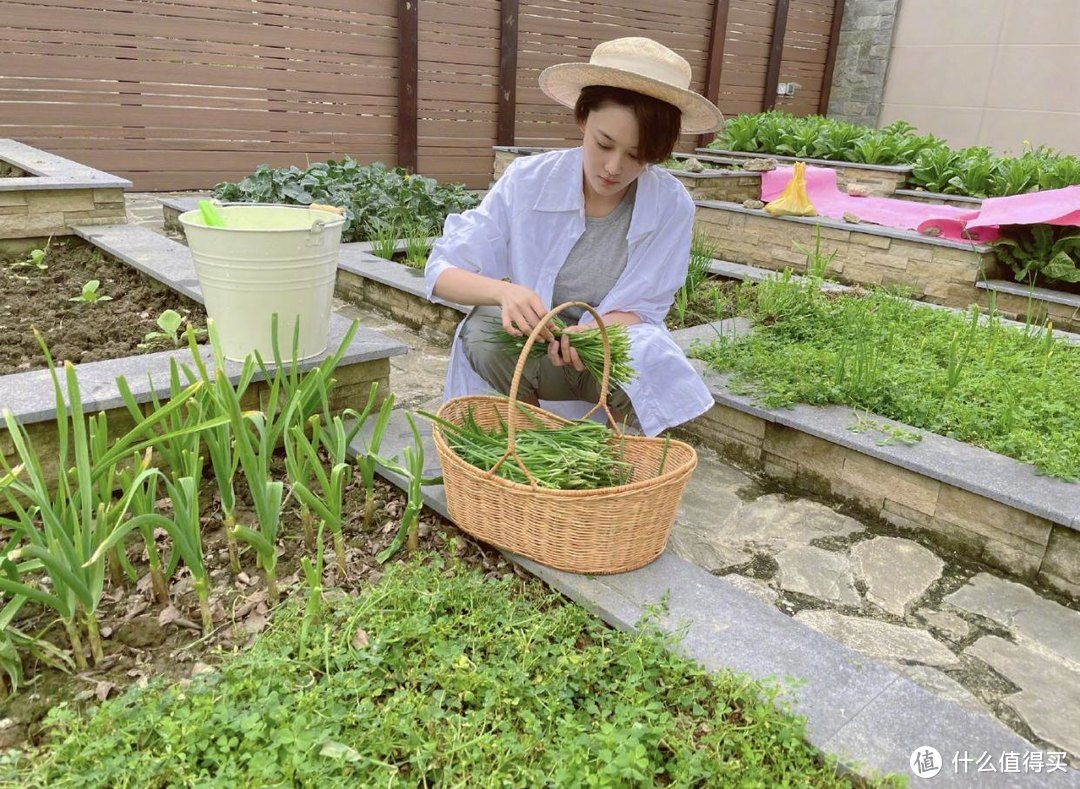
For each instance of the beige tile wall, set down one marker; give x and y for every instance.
(988, 72)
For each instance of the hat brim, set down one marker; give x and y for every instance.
(563, 82)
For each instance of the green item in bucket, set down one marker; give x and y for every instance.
(210, 214)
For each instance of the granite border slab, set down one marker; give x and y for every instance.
(145, 374)
(49, 171)
(856, 708)
(885, 168)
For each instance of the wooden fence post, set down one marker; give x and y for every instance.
(776, 55)
(508, 58)
(408, 56)
(715, 69)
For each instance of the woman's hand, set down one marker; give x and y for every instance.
(522, 310)
(562, 354)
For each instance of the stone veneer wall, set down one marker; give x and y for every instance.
(1015, 542)
(933, 271)
(435, 322)
(351, 391)
(729, 187)
(862, 58)
(1017, 308)
(51, 212)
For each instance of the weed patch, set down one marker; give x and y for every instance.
(437, 676)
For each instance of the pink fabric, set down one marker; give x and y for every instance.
(829, 201)
(1052, 207)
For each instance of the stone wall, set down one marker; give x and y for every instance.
(934, 271)
(1019, 308)
(862, 58)
(1015, 542)
(435, 322)
(729, 187)
(52, 212)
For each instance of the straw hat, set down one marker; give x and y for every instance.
(638, 64)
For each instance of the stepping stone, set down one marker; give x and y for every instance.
(1050, 625)
(891, 644)
(775, 522)
(818, 573)
(710, 502)
(953, 628)
(703, 549)
(877, 561)
(1049, 694)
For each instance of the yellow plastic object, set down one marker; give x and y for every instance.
(793, 200)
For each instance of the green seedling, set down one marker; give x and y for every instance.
(169, 322)
(36, 258)
(90, 293)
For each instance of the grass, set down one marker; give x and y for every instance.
(1015, 392)
(437, 676)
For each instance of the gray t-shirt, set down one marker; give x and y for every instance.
(597, 259)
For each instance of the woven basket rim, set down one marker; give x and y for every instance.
(445, 449)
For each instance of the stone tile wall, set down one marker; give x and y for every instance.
(934, 272)
(435, 322)
(730, 188)
(52, 212)
(1017, 308)
(1017, 543)
(862, 58)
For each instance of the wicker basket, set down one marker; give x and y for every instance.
(608, 530)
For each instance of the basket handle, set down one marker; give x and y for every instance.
(511, 408)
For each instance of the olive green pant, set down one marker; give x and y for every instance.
(540, 378)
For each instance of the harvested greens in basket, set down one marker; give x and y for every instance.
(576, 456)
(588, 343)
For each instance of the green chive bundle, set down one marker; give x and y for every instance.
(589, 345)
(576, 456)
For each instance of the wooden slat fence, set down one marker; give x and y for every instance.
(181, 94)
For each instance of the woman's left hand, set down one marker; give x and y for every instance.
(562, 354)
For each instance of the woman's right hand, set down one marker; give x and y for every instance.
(522, 310)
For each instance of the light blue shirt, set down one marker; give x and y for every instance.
(525, 228)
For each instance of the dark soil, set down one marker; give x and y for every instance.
(78, 331)
(145, 638)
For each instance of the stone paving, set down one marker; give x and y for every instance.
(955, 628)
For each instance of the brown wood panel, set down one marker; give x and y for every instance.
(263, 35)
(182, 93)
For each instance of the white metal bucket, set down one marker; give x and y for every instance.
(267, 259)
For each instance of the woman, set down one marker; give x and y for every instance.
(597, 224)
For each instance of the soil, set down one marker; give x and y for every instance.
(79, 331)
(144, 638)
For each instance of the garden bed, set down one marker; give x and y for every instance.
(145, 639)
(30, 397)
(931, 269)
(43, 195)
(108, 322)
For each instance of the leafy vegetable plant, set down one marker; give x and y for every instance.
(90, 293)
(368, 193)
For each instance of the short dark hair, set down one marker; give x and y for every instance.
(658, 121)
